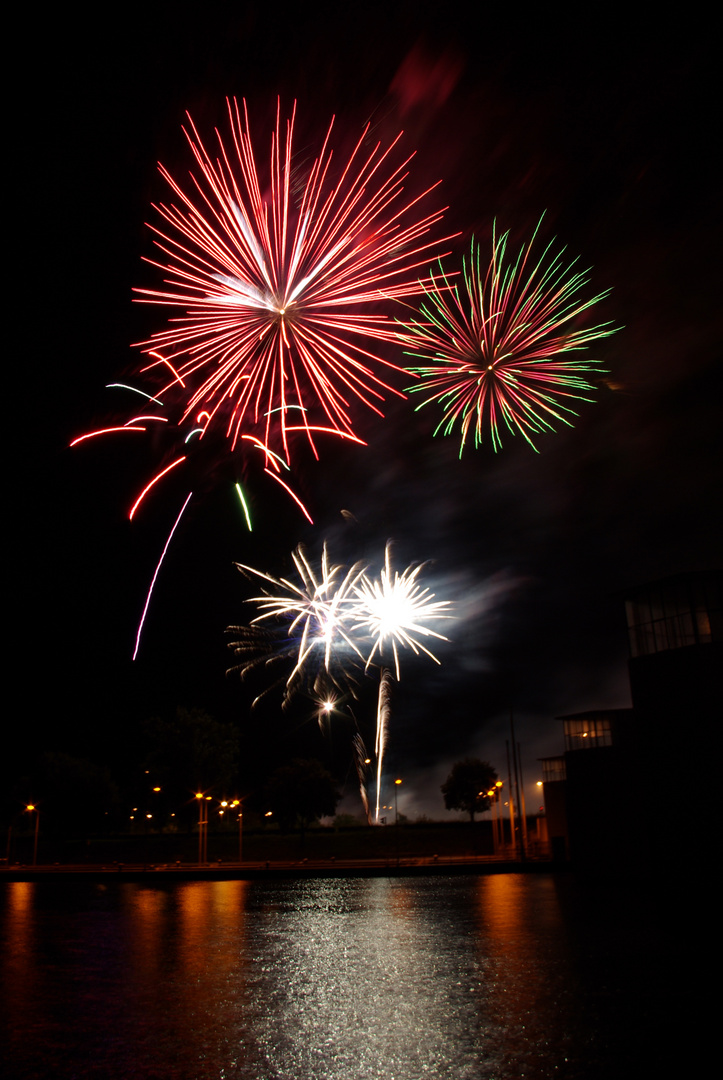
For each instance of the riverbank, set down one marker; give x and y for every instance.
(428, 841)
(268, 870)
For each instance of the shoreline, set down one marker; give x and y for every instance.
(273, 870)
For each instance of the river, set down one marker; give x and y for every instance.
(465, 977)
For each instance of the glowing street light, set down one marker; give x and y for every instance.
(396, 810)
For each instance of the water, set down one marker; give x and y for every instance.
(470, 978)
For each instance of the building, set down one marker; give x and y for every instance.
(621, 792)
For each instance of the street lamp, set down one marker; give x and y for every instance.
(232, 806)
(493, 795)
(239, 803)
(203, 801)
(31, 807)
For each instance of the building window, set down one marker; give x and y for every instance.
(672, 615)
(588, 732)
(553, 768)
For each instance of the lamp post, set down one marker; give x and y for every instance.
(238, 803)
(497, 824)
(396, 816)
(491, 796)
(499, 816)
(31, 807)
(199, 796)
(207, 800)
(203, 801)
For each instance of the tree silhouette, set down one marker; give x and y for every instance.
(467, 785)
(75, 795)
(302, 792)
(187, 753)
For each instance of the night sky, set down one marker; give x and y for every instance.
(609, 130)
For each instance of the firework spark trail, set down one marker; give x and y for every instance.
(500, 356)
(383, 715)
(244, 506)
(152, 483)
(106, 431)
(362, 761)
(255, 648)
(158, 568)
(275, 290)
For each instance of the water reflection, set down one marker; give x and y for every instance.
(403, 979)
(377, 982)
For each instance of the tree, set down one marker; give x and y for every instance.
(467, 785)
(302, 791)
(75, 796)
(191, 752)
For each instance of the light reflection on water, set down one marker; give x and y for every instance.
(459, 977)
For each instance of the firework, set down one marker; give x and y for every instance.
(334, 622)
(273, 465)
(275, 276)
(503, 352)
(394, 609)
(310, 621)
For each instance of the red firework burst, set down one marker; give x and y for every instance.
(507, 353)
(278, 275)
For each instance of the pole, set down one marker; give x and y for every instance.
(523, 811)
(510, 799)
(200, 828)
(495, 822)
(521, 837)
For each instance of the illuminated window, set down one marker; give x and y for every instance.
(588, 732)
